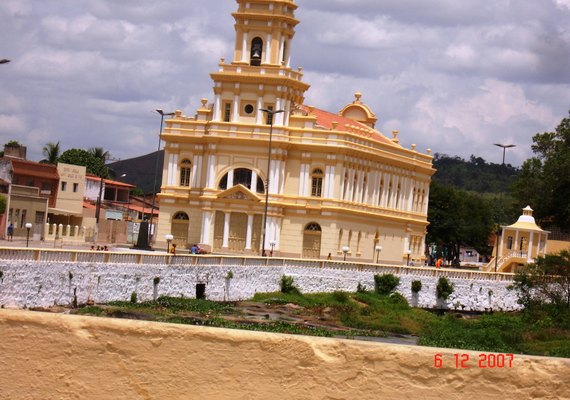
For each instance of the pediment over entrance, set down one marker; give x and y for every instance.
(239, 192)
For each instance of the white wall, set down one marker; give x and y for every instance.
(42, 284)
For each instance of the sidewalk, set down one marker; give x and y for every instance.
(59, 245)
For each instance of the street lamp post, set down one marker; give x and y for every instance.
(98, 211)
(270, 115)
(345, 252)
(168, 238)
(28, 227)
(378, 250)
(272, 243)
(162, 115)
(505, 147)
(408, 252)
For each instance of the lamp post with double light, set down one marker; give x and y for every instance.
(378, 250)
(272, 243)
(270, 115)
(162, 115)
(28, 227)
(409, 253)
(504, 147)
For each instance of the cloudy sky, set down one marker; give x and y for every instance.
(455, 76)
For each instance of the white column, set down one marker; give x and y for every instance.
(411, 195)
(206, 227)
(302, 177)
(244, 52)
(268, 49)
(326, 182)
(350, 189)
(529, 250)
(235, 109)
(249, 232)
(287, 112)
(281, 48)
(230, 179)
(279, 118)
(273, 180)
(281, 177)
(226, 238)
(426, 200)
(386, 189)
(211, 173)
(259, 116)
(197, 172)
(217, 108)
(253, 181)
(394, 200)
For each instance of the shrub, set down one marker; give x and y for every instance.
(287, 285)
(360, 288)
(134, 297)
(444, 288)
(416, 286)
(156, 280)
(397, 298)
(385, 284)
(341, 297)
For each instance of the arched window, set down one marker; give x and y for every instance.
(317, 182)
(181, 216)
(185, 172)
(354, 187)
(242, 176)
(345, 185)
(314, 227)
(364, 187)
(398, 193)
(380, 192)
(256, 52)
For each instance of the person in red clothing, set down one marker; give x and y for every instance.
(439, 262)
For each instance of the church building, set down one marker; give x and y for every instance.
(256, 170)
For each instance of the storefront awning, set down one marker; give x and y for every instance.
(59, 211)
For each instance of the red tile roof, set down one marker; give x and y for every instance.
(109, 181)
(325, 120)
(35, 169)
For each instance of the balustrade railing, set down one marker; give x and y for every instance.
(139, 258)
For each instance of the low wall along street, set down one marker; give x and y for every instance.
(56, 356)
(44, 278)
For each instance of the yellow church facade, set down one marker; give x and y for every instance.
(335, 186)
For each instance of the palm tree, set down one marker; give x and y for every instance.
(51, 153)
(101, 154)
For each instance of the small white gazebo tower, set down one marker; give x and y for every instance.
(521, 243)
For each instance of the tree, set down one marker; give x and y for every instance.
(545, 285)
(94, 165)
(51, 153)
(458, 218)
(544, 182)
(100, 153)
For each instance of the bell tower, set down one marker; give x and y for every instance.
(260, 76)
(264, 31)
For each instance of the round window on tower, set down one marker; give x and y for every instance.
(248, 109)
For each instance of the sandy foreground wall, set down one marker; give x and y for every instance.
(56, 356)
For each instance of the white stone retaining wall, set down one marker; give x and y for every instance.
(25, 284)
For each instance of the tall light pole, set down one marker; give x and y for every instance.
(28, 227)
(98, 210)
(378, 250)
(505, 147)
(162, 115)
(270, 115)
